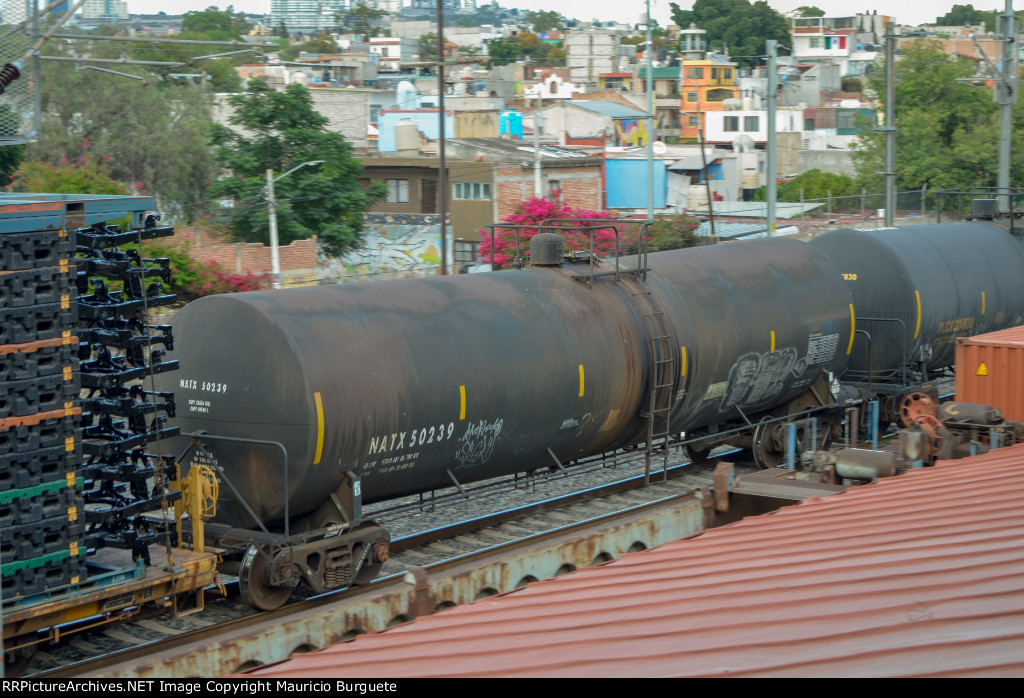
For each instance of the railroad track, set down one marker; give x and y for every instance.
(481, 524)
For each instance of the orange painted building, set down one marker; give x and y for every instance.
(704, 84)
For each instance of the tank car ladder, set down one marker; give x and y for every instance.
(662, 354)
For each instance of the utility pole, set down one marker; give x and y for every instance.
(442, 180)
(890, 127)
(1006, 94)
(536, 146)
(275, 255)
(650, 119)
(772, 46)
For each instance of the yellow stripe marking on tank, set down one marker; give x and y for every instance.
(581, 380)
(462, 402)
(917, 328)
(853, 330)
(683, 371)
(773, 343)
(319, 428)
(982, 302)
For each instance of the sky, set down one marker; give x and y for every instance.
(905, 11)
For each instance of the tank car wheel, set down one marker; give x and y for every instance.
(17, 660)
(253, 585)
(765, 456)
(697, 453)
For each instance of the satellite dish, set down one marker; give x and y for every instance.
(659, 148)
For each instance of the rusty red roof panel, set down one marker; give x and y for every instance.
(917, 575)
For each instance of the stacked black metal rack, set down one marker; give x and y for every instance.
(119, 350)
(42, 515)
(76, 422)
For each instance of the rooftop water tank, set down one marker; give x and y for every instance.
(407, 136)
(511, 122)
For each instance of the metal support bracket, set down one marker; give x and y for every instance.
(458, 485)
(557, 462)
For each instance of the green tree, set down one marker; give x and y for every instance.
(10, 155)
(813, 184)
(361, 19)
(208, 25)
(524, 46)
(280, 130)
(947, 127)
(150, 134)
(428, 47)
(67, 177)
(809, 11)
(318, 45)
(545, 20)
(212, 23)
(964, 15)
(740, 25)
(503, 51)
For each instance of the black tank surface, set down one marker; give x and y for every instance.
(917, 288)
(757, 322)
(404, 382)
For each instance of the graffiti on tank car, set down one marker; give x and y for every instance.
(477, 444)
(756, 378)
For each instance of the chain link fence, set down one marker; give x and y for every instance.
(867, 209)
(17, 103)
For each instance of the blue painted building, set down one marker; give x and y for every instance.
(626, 183)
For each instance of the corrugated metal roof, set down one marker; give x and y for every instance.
(910, 576)
(758, 209)
(612, 109)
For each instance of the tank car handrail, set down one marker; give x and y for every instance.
(593, 224)
(903, 341)
(197, 435)
(492, 226)
(871, 373)
(590, 224)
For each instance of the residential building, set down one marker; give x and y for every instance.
(576, 173)
(105, 9)
(347, 112)
(705, 85)
(306, 15)
(575, 118)
(591, 53)
(726, 127)
(839, 40)
(621, 81)
(487, 179)
(552, 86)
(667, 106)
(394, 50)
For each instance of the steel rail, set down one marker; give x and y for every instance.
(201, 640)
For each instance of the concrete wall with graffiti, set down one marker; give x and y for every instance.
(396, 246)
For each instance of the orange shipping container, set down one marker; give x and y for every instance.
(990, 370)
